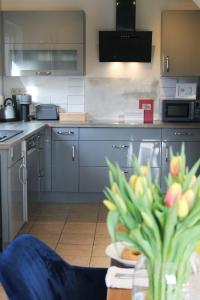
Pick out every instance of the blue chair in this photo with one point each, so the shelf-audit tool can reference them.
(30, 270)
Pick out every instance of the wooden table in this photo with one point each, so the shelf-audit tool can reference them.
(119, 294)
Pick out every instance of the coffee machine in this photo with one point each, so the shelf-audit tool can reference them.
(22, 104)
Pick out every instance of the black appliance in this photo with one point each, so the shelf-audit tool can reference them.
(178, 110)
(23, 103)
(125, 44)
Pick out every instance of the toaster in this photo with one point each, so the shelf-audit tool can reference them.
(46, 112)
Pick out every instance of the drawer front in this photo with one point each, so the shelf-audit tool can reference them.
(181, 134)
(94, 153)
(95, 179)
(120, 134)
(15, 153)
(65, 134)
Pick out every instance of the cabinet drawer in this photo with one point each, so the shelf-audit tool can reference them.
(64, 134)
(95, 179)
(94, 153)
(181, 134)
(15, 153)
(122, 134)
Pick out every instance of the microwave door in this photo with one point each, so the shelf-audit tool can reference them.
(178, 111)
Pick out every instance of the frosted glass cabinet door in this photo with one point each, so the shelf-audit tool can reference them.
(40, 59)
(27, 59)
(67, 59)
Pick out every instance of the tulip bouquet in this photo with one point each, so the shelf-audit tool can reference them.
(165, 227)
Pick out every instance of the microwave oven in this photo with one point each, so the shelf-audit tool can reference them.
(178, 110)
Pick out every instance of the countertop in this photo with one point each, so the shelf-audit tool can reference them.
(30, 128)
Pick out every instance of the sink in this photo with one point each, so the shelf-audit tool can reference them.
(8, 134)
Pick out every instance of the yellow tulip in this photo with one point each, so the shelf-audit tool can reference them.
(144, 170)
(140, 186)
(175, 165)
(193, 181)
(110, 205)
(183, 208)
(173, 194)
(115, 188)
(189, 196)
(132, 181)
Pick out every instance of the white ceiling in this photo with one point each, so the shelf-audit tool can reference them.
(197, 2)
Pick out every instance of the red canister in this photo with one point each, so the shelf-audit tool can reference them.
(148, 106)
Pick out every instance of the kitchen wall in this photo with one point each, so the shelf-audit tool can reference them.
(108, 89)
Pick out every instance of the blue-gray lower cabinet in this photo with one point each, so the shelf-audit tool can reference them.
(65, 166)
(15, 198)
(95, 179)
(94, 153)
(192, 150)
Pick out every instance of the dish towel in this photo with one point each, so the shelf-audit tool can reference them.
(123, 278)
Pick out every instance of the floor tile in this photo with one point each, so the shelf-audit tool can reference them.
(83, 261)
(74, 250)
(83, 217)
(51, 219)
(98, 250)
(103, 262)
(79, 228)
(76, 239)
(102, 239)
(41, 228)
(101, 228)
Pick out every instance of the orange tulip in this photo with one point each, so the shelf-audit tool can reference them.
(173, 194)
(144, 170)
(175, 165)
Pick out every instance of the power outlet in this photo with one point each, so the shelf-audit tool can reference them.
(18, 91)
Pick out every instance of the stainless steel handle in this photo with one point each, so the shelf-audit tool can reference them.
(23, 178)
(120, 146)
(43, 73)
(125, 172)
(73, 153)
(167, 64)
(183, 133)
(69, 132)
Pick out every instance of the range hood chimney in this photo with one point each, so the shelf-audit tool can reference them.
(125, 44)
(125, 15)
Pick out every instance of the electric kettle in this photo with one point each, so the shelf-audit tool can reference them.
(9, 110)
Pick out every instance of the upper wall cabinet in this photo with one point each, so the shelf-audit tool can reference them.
(44, 43)
(180, 43)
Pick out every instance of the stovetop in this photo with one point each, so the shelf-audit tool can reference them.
(8, 134)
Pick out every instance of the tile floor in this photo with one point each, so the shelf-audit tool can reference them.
(77, 232)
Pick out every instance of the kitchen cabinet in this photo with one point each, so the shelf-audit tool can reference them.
(44, 43)
(118, 145)
(65, 160)
(180, 43)
(173, 138)
(16, 180)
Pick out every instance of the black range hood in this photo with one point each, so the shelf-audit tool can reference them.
(125, 44)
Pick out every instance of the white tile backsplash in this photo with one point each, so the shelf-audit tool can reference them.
(76, 108)
(62, 91)
(77, 100)
(76, 90)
